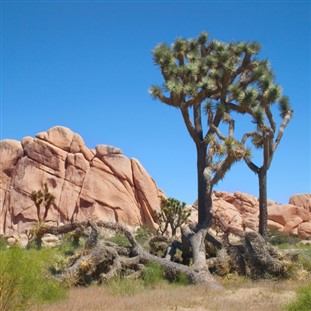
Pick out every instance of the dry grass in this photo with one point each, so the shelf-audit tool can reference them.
(239, 296)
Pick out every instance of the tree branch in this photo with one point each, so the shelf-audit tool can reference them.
(270, 118)
(198, 120)
(189, 125)
(286, 120)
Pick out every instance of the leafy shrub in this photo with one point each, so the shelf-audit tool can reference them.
(302, 301)
(23, 279)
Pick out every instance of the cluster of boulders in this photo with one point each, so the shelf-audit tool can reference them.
(241, 210)
(103, 184)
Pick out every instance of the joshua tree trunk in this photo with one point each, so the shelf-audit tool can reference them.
(204, 195)
(263, 208)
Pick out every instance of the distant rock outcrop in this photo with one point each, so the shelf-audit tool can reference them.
(102, 184)
(242, 210)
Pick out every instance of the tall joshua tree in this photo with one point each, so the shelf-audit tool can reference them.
(201, 76)
(258, 101)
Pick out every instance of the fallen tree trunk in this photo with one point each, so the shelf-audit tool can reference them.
(101, 260)
(98, 254)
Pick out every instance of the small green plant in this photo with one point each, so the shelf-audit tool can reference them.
(153, 274)
(143, 235)
(125, 287)
(173, 214)
(302, 301)
(70, 244)
(119, 239)
(24, 281)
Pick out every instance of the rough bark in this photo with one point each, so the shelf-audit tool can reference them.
(263, 208)
(204, 197)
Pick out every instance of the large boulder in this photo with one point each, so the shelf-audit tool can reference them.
(100, 184)
(301, 200)
(304, 230)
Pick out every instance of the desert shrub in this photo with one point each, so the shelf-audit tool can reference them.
(153, 274)
(302, 301)
(24, 281)
(281, 239)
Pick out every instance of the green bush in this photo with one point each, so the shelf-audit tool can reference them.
(24, 280)
(153, 274)
(302, 301)
(282, 239)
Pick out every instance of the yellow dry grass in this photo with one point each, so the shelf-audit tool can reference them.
(260, 296)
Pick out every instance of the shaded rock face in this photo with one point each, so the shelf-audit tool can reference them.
(99, 184)
(242, 210)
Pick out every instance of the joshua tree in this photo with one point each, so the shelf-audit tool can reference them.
(174, 214)
(219, 78)
(199, 75)
(42, 197)
(203, 76)
(267, 135)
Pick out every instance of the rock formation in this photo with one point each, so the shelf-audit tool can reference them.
(242, 210)
(99, 184)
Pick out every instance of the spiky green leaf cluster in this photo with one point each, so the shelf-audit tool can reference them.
(258, 115)
(250, 99)
(257, 140)
(272, 93)
(155, 91)
(284, 106)
(163, 55)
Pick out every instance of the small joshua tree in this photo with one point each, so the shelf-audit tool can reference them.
(173, 213)
(42, 197)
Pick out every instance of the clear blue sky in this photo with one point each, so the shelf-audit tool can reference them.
(87, 65)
